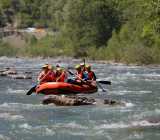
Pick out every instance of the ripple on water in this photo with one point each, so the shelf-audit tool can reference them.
(37, 130)
(75, 129)
(2, 137)
(71, 125)
(21, 106)
(129, 104)
(125, 92)
(130, 125)
(135, 135)
(71, 128)
(11, 117)
(157, 111)
(148, 113)
(15, 92)
(145, 123)
(122, 78)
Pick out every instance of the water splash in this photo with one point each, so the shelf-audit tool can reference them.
(2, 137)
(11, 117)
(21, 106)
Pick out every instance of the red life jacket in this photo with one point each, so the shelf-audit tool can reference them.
(91, 75)
(52, 76)
(47, 77)
(62, 77)
(79, 75)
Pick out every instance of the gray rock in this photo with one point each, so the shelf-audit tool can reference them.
(67, 101)
(20, 76)
(113, 102)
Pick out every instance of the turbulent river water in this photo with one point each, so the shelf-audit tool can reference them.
(23, 117)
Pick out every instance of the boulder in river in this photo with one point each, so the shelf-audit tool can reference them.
(3, 74)
(77, 101)
(113, 102)
(1, 71)
(28, 72)
(67, 101)
(8, 71)
(12, 73)
(20, 76)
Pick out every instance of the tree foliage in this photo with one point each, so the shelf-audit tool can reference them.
(116, 29)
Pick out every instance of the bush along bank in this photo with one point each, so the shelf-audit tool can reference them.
(125, 31)
(46, 47)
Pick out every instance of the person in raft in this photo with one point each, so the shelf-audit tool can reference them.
(85, 75)
(46, 75)
(82, 65)
(78, 76)
(61, 75)
(83, 71)
(91, 75)
(79, 73)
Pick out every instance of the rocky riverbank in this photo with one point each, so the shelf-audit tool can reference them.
(13, 73)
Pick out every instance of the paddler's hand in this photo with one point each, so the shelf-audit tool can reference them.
(85, 79)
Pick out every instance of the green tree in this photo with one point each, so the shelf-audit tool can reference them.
(89, 23)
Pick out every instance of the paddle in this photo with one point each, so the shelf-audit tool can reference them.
(33, 89)
(84, 61)
(98, 82)
(71, 73)
(100, 86)
(104, 82)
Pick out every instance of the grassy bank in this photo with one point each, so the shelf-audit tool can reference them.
(49, 47)
(7, 50)
(44, 47)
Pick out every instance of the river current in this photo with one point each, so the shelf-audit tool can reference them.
(23, 117)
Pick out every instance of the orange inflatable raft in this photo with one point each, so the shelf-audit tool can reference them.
(64, 88)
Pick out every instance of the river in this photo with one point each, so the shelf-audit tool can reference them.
(23, 117)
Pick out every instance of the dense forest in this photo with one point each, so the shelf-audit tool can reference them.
(118, 30)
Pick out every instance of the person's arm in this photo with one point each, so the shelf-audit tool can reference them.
(63, 74)
(53, 76)
(40, 76)
(44, 77)
(94, 76)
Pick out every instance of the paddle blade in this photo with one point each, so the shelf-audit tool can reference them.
(105, 82)
(33, 89)
(100, 86)
(71, 73)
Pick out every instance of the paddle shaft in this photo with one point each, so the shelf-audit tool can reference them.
(33, 89)
(77, 77)
(84, 61)
(86, 82)
(104, 82)
(45, 76)
(100, 86)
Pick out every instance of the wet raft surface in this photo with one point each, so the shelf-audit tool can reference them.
(24, 117)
